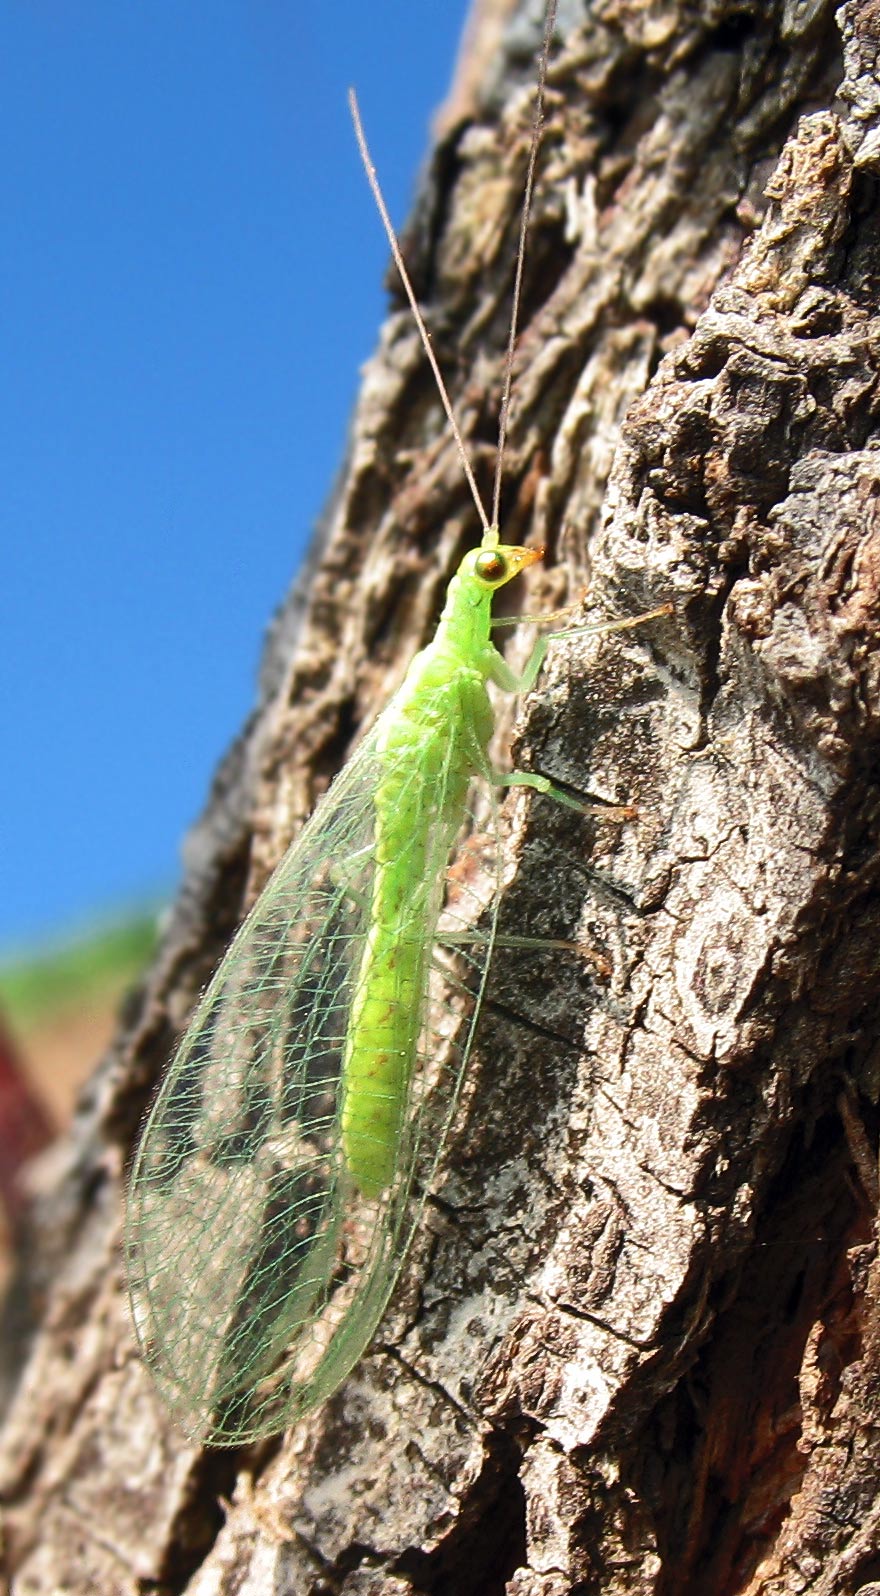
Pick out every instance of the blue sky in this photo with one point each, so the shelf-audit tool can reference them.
(191, 277)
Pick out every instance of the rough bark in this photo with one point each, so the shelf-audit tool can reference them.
(636, 1349)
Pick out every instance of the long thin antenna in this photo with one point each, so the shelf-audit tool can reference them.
(537, 131)
(425, 336)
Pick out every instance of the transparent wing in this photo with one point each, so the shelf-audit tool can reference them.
(257, 1270)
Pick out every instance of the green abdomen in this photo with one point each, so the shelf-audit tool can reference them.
(419, 807)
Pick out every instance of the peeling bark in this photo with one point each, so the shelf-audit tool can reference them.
(636, 1347)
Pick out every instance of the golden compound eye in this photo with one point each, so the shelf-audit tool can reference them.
(489, 566)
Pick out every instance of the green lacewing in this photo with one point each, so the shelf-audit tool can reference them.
(282, 1168)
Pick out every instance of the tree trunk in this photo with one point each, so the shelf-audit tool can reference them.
(636, 1347)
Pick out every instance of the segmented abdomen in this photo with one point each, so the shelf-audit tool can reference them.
(418, 812)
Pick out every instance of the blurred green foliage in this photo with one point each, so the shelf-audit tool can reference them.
(88, 968)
